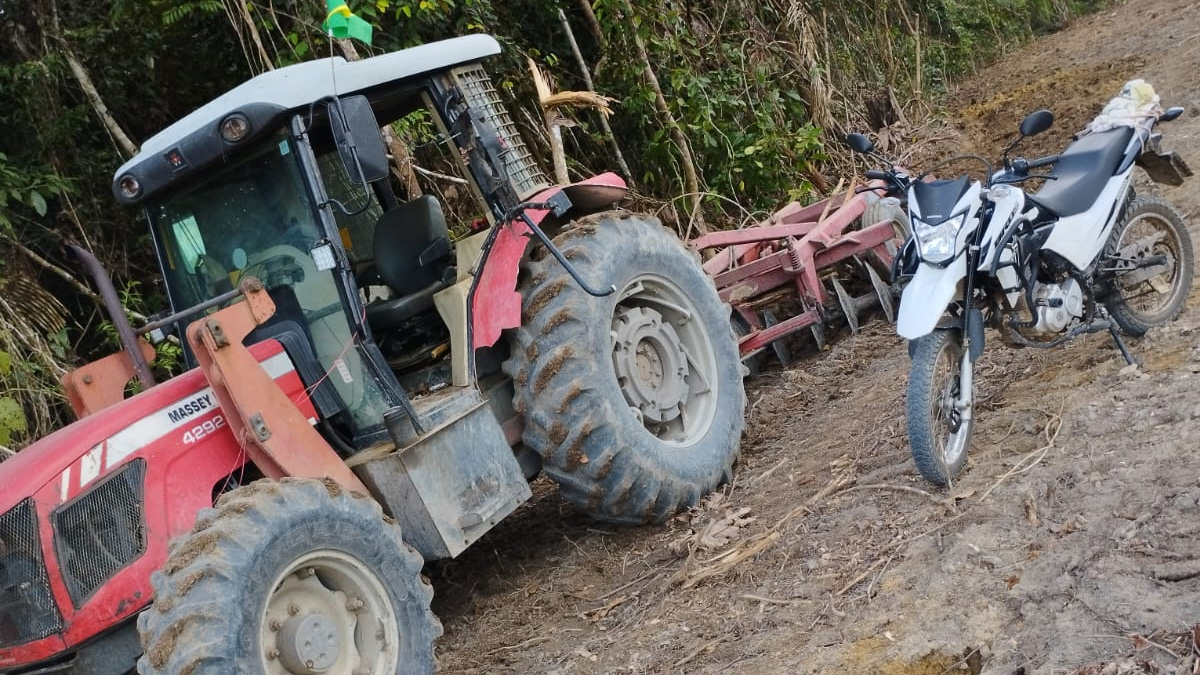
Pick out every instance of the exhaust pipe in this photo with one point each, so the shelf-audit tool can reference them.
(116, 312)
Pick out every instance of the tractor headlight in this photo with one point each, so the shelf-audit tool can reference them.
(130, 187)
(235, 128)
(936, 243)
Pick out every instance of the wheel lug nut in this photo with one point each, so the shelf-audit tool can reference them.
(293, 608)
(275, 624)
(272, 654)
(355, 603)
(307, 572)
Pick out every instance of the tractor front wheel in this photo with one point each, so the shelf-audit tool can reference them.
(634, 400)
(295, 577)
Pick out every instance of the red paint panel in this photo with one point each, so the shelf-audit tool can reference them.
(184, 459)
(495, 303)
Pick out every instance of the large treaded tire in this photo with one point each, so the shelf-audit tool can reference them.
(1177, 248)
(938, 448)
(211, 597)
(579, 417)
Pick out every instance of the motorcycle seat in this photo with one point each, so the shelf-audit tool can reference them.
(1083, 169)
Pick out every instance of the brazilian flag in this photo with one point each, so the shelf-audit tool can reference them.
(341, 23)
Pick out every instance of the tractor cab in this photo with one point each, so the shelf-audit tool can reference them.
(285, 179)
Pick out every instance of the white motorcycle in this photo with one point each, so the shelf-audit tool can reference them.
(1082, 254)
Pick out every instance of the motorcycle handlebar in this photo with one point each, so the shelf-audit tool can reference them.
(1021, 166)
(875, 174)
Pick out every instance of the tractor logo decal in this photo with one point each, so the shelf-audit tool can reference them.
(192, 407)
(148, 430)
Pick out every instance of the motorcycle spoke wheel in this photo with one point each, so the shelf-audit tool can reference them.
(938, 435)
(1150, 256)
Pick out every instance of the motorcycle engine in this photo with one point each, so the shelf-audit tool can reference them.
(1057, 305)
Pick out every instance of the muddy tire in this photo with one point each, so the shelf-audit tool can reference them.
(937, 436)
(880, 209)
(283, 574)
(634, 400)
(1141, 298)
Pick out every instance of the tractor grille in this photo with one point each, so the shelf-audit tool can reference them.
(527, 177)
(102, 531)
(27, 609)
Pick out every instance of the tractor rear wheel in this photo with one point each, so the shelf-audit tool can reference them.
(634, 400)
(295, 577)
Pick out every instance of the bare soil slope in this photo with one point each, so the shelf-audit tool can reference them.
(1070, 545)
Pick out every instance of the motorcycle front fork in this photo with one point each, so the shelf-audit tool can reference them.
(964, 403)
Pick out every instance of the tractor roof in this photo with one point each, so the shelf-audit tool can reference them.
(268, 98)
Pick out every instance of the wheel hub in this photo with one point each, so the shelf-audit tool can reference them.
(650, 363)
(308, 644)
(327, 616)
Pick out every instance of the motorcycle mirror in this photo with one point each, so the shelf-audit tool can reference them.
(1036, 122)
(860, 143)
(1170, 114)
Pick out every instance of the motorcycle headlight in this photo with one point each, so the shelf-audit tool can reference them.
(936, 243)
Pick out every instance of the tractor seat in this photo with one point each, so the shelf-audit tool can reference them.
(1083, 169)
(412, 244)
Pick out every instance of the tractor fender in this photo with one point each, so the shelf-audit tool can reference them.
(494, 302)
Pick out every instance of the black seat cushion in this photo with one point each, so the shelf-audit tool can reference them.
(1083, 169)
(389, 314)
(412, 244)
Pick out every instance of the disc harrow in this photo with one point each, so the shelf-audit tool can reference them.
(808, 267)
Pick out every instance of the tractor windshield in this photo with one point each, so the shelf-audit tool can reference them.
(235, 224)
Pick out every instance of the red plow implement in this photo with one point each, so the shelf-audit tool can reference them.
(801, 267)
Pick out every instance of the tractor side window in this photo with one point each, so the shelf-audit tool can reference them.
(357, 231)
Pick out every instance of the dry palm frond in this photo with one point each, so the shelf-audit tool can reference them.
(579, 99)
(35, 304)
(566, 99)
(28, 315)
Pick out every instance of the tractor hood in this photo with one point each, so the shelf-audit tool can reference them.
(76, 455)
(264, 102)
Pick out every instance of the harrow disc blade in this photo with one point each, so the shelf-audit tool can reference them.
(883, 292)
(849, 307)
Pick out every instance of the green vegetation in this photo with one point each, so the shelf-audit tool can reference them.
(753, 93)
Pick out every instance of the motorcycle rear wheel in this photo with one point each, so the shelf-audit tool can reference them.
(1141, 298)
(937, 434)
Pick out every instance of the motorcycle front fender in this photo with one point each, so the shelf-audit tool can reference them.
(925, 298)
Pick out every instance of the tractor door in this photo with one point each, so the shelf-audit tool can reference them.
(257, 217)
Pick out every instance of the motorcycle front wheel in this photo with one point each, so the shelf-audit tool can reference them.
(938, 431)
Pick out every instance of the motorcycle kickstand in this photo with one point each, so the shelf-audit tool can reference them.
(1112, 330)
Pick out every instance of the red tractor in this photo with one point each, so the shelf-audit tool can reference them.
(365, 393)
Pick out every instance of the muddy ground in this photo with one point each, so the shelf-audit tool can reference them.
(1071, 544)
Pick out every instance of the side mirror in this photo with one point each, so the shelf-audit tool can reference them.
(359, 144)
(860, 143)
(1170, 114)
(1036, 122)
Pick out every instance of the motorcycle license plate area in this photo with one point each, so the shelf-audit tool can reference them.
(1166, 168)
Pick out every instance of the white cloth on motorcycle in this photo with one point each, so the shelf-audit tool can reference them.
(412, 244)
(1082, 171)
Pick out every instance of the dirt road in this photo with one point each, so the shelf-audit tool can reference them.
(1072, 540)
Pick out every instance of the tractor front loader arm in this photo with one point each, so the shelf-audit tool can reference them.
(276, 435)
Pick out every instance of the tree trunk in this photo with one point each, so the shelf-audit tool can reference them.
(690, 178)
(243, 15)
(592, 21)
(89, 88)
(587, 79)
